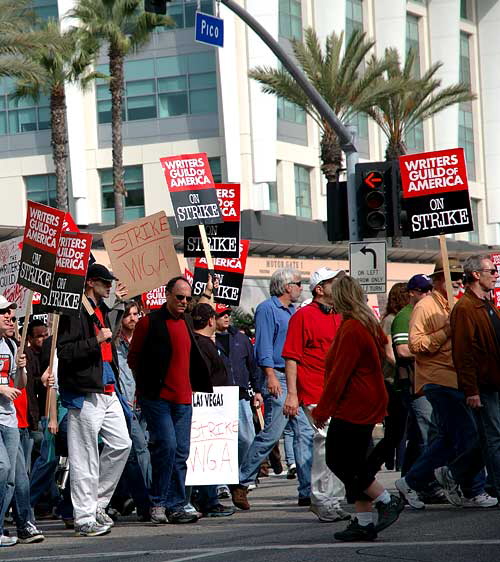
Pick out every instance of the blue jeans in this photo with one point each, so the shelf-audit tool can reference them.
(246, 429)
(274, 424)
(288, 445)
(21, 500)
(169, 427)
(456, 434)
(9, 445)
(42, 474)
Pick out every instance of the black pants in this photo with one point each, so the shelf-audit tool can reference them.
(346, 455)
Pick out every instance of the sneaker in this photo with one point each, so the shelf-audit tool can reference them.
(251, 487)
(239, 495)
(128, 507)
(223, 492)
(218, 510)
(292, 472)
(388, 513)
(481, 500)
(158, 516)
(69, 522)
(180, 517)
(103, 518)
(92, 529)
(304, 501)
(409, 495)
(450, 487)
(276, 465)
(357, 533)
(329, 514)
(113, 513)
(7, 541)
(189, 508)
(29, 534)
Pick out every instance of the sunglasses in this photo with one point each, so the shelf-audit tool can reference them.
(492, 271)
(180, 298)
(298, 283)
(4, 311)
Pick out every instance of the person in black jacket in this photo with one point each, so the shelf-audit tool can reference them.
(168, 367)
(88, 386)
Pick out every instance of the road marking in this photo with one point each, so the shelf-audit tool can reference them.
(197, 553)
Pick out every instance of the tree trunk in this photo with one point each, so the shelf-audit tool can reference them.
(116, 87)
(59, 141)
(331, 154)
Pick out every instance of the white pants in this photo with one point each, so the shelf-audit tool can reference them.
(93, 477)
(326, 488)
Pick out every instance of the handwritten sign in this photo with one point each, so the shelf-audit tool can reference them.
(10, 258)
(142, 253)
(213, 456)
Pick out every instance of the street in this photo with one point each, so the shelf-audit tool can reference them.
(277, 530)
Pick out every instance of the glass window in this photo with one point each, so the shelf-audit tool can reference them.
(288, 111)
(216, 169)
(41, 189)
(360, 121)
(354, 17)
(303, 191)
(465, 10)
(290, 19)
(414, 138)
(183, 12)
(273, 197)
(46, 9)
(474, 235)
(465, 115)
(413, 41)
(21, 115)
(465, 59)
(134, 202)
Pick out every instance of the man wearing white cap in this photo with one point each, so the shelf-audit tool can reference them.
(310, 334)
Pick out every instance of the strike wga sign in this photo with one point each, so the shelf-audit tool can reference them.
(436, 192)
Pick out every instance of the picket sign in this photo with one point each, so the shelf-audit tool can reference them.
(446, 269)
(206, 248)
(51, 394)
(27, 312)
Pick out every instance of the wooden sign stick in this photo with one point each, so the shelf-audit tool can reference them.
(208, 255)
(446, 269)
(51, 394)
(27, 312)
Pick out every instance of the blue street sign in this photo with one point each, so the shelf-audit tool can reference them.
(209, 30)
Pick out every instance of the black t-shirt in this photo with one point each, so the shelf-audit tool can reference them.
(218, 373)
(494, 319)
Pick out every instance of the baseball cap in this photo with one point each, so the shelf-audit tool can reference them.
(322, 274)
(420, 282)
(98, 271)
(4, 303)
(221, 309)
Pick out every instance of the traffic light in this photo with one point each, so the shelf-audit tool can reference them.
(374, 184)
(336, 211)
(400, 216)
(156, 6)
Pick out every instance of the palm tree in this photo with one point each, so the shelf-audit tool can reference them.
(421, 98)
(124, 27)
(345, 85)
(66, 58)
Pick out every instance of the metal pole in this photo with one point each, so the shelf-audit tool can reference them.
(352, 203)
(345, 136)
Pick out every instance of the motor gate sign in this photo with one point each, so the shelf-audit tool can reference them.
(191, 185)
(436, 192)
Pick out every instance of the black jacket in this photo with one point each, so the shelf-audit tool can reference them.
(79, 354)
(149, 362)
(218, 372)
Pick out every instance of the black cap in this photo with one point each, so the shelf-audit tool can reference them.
(98, 271)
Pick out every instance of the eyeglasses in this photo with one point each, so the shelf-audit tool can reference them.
(492, 271)
(4, 311)
(180, 298)
(298, 283)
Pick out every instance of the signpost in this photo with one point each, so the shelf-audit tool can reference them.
(368, 265)
(209, 30)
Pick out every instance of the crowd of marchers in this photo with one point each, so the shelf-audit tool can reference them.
(102, 429)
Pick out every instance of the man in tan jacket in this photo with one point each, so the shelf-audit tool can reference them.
(435, 376)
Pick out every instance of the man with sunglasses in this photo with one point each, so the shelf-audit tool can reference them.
(168, 367)
(88, 378)
(475, 337)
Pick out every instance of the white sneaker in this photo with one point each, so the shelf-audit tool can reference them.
(409, 495)
(329, 514)
(158, 515)
(450, 487)
(481, 500)
(7, 541)
(103, 518)
(189, 508)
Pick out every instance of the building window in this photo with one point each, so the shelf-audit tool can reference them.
(21, 115)
(215, 167)
(290, 19)
(354, 17)
(46, 9)
(465, 10)
(413, 42)
(41, 189)
(291, 112)
(273, 197)
(134, 202)
(414, 138)
(163, 87)
(303, 191)
(474, 234)
(465, 116)
(183, 12)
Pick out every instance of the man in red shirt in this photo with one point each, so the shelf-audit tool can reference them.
(168, 366)
(310, 334)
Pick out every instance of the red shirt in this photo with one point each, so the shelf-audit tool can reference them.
(354, 383)
(106, 351)
(21, 405)
(309, 337)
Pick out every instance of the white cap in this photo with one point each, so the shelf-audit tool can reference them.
(4, 303)
(322, 274)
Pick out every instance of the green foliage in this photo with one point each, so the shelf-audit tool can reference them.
(243, 320)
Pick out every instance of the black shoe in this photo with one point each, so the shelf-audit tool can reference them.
(292, 472)
(181, 516)
(128, 507)
(29, 534)
(218, 510)
(357, 533)
(304, 501)
(388, 513)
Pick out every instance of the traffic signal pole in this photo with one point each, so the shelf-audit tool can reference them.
(345, 136)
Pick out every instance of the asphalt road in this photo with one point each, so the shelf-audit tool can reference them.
(277, 530)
